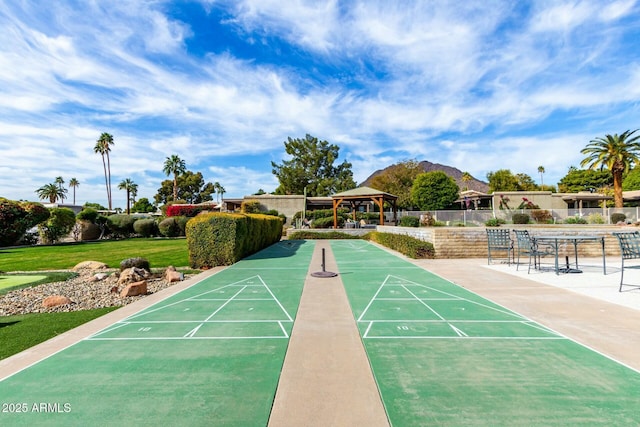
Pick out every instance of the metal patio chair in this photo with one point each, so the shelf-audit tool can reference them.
(629, 250)
(526, 245)
(499, 240)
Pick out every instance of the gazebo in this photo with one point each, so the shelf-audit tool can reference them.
(360, 195)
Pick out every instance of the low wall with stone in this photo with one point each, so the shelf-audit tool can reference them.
(471, 242)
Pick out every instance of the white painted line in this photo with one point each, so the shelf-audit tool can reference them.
(373, 298)
(192, 332)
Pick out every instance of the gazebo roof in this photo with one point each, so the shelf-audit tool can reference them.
(363, 192)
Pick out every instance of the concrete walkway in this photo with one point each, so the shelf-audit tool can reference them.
(326, 379)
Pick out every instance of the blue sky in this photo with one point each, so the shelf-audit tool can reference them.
(479, 86)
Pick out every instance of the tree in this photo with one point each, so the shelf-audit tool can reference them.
(103, 147)
(466, 177)
(129, 186)
(618, 153)
(143, 206)
(398, 180)
(311, 167)
(216, 187)
(502, 180)
(631, 181)
(191, 188)
(59, 181)
(176, 166)
(58, 225)
(52, 191)
(525, 182)
(541, 171)
(434, 190)
(18, 217)
(584, 180)
(74, 183)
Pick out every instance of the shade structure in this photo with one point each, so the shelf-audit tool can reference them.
(360, 195)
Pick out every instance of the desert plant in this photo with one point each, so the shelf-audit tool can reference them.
(495, 222)
(575, 220)
(595, 218)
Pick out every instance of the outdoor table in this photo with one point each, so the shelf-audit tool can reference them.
(554, 239)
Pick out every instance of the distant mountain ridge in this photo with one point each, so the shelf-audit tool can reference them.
(456, 174)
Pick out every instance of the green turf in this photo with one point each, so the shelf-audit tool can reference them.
(18, 333)
(210, 355)
(442, 355)
(15, 281)
(159, 252)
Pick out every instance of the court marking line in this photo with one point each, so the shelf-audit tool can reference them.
(226, 303)
(187, 339)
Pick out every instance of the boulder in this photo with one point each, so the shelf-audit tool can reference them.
(101, 276)
(132, 275)
(133, 289)
(55, 300)
(173, 276)
(90, 265)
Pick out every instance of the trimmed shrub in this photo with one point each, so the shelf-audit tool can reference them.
(137, 262)
(409, 221)
(250, 206)
(520, 218)
(146, 227)
(120, 225)
(182, 224)
(406, 245)
(184, 210)
(618, 217)
(88, 214)
(326, 222)
(169, 227)
(222, 238)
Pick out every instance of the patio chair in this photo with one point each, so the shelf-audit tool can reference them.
(528, 246)
(629, 250)
(499, 239)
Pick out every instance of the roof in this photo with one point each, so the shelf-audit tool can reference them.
(363, 192)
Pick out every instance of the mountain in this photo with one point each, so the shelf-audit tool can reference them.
(456, 174)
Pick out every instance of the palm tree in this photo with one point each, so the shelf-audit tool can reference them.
(52, 192)
(216, 187)
(221, 191)
(59, 181)
(74, 183)
(618, 153)
(174, 165)
(129, 186)
(541, 171)
(102, 147)
(466, 177)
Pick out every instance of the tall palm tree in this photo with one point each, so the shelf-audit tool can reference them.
(102, 147)
(59, 181)
(618, 153)
(176, 166)
(74, 183)
(221, 191)
(52, 191)
(216, 187)
(541, 171)
(129, 186)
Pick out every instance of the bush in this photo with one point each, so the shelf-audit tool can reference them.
(88, 214)
(618, 217)
(146, 227)
(58, 225)
(575, 220)
(595, 218)
(407, 245)
(169, 227)
(542, 216)
(16, 218)
(495, 222)
(222, 239)
(250, 206)
(120, 225)
(409, 221)
(184, 210)
(326, 222)
(135, 262)
(520, 218)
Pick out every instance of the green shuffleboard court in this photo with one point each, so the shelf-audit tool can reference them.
(209, 355)
(442, 355)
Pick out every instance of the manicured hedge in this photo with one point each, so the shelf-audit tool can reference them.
(319, 235)
(407, 245)
(224, 238)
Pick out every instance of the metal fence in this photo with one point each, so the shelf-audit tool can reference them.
(558, 216)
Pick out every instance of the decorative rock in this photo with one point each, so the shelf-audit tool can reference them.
(101, 276)
(55, 300)
(173, 276)
(90, 265)
(133, 289)
(132, 275)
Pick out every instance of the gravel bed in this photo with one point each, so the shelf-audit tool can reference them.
(84, 291)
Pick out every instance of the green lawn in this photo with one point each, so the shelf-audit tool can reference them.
(159, 252)
(18, 333)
